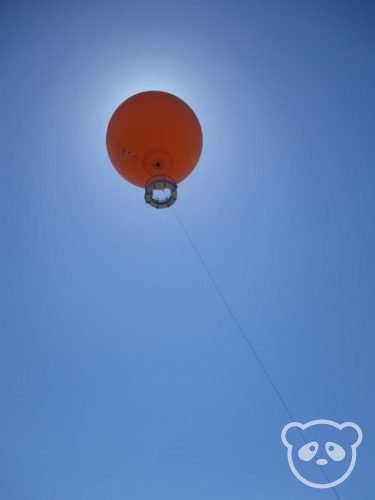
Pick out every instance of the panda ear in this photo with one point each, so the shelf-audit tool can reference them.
(353, 433)
(292, 435)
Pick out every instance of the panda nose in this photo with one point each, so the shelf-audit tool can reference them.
(322, 461)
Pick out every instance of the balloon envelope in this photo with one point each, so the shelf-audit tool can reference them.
(154, 135)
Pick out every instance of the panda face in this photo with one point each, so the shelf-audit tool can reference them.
(321, 453)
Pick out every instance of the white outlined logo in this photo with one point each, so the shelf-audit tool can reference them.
(304, 458)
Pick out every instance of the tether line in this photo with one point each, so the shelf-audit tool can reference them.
(233, 316)
(243, 334)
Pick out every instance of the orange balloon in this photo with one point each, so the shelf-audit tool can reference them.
(154, 140)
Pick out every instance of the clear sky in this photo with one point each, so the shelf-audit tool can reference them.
(122, 375)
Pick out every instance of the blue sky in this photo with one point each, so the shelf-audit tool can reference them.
(122, 375)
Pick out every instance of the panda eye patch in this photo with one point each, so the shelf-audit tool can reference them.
(335, 451)
(308, 451)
